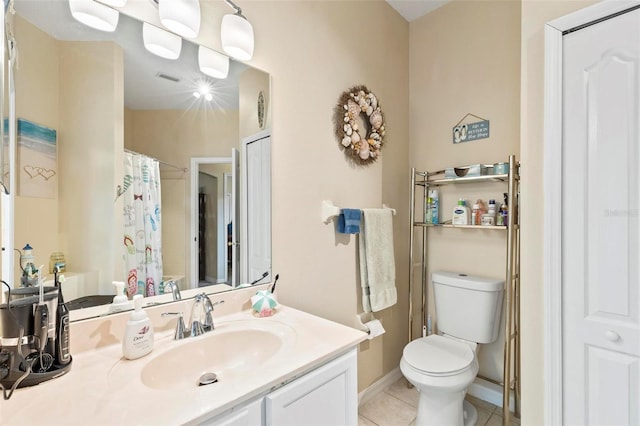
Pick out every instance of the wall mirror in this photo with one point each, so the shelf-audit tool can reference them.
(108, 99)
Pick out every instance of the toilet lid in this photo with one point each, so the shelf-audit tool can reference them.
(438, 355)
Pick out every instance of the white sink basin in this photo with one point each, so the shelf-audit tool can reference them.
(233, 349)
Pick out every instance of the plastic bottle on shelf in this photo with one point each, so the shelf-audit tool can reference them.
(460, 213)
(435, 206)
(428, 210)
(476, 215)
(503, 214)
(489, 218)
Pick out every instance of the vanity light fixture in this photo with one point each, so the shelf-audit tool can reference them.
(237, 34)
(161, 42)
(212, 63)
(94, 14)
(180, 16)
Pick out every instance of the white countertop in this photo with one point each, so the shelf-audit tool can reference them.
(91, 393)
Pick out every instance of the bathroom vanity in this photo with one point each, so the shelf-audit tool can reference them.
(291, 368)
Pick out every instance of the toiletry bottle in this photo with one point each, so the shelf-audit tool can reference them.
(435, 206)
(120, 301)
(138, 335)
(475, 214)
(460, 214)
(62, 354)
(489, 218)
(428, 210)
(503, 212)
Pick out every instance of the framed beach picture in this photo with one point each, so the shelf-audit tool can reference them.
(37, 160)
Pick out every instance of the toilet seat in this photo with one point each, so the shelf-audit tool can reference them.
(439, 356)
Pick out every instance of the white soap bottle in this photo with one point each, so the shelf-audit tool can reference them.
(120, 302)
(138, 336)
(460, 214)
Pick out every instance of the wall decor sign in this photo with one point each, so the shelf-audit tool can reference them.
(359, 124)
(37, 160)
(471, 130)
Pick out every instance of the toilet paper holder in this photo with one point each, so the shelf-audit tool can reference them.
(369, 324)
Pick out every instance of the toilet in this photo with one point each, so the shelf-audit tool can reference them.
(442, 366)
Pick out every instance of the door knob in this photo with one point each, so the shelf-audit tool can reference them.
(612, 335)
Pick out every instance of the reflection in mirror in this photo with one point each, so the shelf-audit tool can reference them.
(105, 94)
(215, 212)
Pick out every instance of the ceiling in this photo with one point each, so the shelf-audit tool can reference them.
(414, 9)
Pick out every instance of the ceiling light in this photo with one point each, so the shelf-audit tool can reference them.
(94, 15)
(203, 90)
(114, 3)
(180, 16)
(212, 63)
(161, 42)
(237, 36)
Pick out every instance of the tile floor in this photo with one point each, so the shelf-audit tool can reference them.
(397, 406)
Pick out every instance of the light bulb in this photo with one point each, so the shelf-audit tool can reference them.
(94, 15)
(236, 34)
(180, 16)
(212, 63)
(161, 42)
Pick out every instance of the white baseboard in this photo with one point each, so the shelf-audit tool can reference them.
(489, 392)
(379, 385)
(481, 389)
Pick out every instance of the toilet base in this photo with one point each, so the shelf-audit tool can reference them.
(470, 414)
(450, 408)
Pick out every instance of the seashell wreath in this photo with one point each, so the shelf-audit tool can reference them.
(360, 145)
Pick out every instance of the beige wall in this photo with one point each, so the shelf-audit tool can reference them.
(251, 83)
(90, 156)
(534, 16)
(37, 101)
(465, 58)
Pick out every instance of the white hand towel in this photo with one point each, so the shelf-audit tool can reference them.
(377, 264)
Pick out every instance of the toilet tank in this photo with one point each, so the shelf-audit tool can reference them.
(468, 307)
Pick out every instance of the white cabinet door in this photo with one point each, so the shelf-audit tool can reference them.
(601, 225)
(326, 396)
(246, 415)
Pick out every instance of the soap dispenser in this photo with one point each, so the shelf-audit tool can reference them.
(138, 335)
(120, 301)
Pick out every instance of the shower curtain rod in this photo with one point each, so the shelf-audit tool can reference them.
(184, 169)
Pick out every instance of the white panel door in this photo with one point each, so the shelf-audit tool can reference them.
(600, 222)
(258, 212)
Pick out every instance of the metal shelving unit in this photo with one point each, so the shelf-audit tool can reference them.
(511, 359)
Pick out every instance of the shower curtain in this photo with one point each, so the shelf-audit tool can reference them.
(142, 226)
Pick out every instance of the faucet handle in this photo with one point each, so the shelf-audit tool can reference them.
(180, 327)
(208, 308)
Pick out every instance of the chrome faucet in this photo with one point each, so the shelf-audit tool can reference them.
(180, 327)
(175, 290)
(201, 318)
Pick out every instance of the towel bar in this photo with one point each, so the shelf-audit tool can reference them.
(330, 210)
